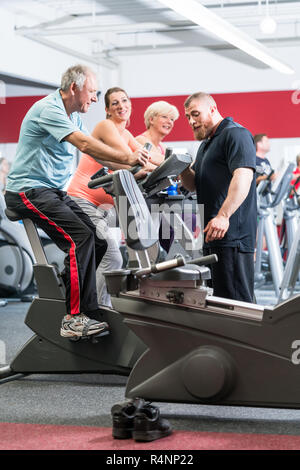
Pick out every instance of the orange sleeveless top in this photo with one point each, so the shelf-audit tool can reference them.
(78, 186)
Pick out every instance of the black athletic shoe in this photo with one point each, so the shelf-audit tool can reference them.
(123, 415)
(149, 426)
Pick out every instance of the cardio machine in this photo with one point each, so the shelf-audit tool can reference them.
(292, 266)
(175, 210)
(16, 273)
(17, 258)
(290, 218)
(200, 348)
(269, 197)
(48, 352)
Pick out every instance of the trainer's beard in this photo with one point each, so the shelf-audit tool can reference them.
(201, 133)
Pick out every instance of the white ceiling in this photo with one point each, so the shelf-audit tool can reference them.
(101, 31)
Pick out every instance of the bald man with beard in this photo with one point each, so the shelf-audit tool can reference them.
(223, 176)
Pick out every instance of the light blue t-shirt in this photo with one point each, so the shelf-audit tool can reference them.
(43, 159)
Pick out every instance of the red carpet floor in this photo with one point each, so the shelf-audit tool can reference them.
(19, 436)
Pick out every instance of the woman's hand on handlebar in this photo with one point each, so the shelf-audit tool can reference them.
(139, 157)
(141, 174)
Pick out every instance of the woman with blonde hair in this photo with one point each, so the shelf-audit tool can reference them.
(159, 118)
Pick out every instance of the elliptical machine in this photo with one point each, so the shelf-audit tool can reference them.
(290, 218)
(269, 197)
(292, 266)
(200, 348)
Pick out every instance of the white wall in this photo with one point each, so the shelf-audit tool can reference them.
(146, 74)
(18, 90)
(186, 72)
(23, 57)
(170, 73)
(8, 151)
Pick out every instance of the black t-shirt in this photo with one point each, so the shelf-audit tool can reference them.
(231, 147)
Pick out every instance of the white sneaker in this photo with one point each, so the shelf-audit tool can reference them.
(81, 325)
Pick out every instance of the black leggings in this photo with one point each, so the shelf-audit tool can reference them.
(232, 276)
(73, 232)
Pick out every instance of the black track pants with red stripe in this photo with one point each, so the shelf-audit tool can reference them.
(72, 230)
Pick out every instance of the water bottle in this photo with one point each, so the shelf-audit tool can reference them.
(172, 190)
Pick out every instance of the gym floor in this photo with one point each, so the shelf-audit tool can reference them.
(86, 399)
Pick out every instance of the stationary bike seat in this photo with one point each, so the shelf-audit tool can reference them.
(12, 215)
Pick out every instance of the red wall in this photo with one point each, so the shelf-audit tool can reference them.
(268, 112)
(275, 113)
(11, 116)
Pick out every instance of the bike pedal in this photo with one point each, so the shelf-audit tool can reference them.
(92, 338)
(95, 338)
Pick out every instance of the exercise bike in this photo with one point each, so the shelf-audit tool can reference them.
(48, 352)
(177, 213)
(200, 348)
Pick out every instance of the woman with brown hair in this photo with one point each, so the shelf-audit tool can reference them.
(96, 203)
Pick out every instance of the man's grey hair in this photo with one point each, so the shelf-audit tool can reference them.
(76, 74)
